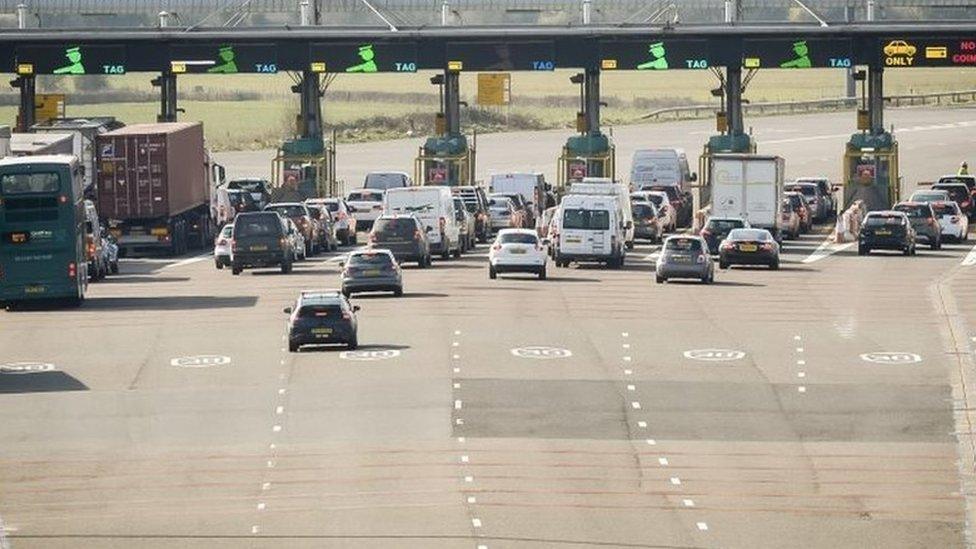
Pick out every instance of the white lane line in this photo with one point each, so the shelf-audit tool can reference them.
(797, 338)
(663, 461)
(455, 344)
(456, 357)
(625, 334)
(457, 370)
(189, 261)
(801, 374)
(801, 363)
(476, 522)
(469, 479)
(651, 442)
(254, 529)
(801, 389)
(702, 526)
(471, 499)
(457, 332)
(626, 345)
(266, 486)
(676, 481)
(642, 424)
(635, 405)
(457, 404)
(276, 428)
(461, 440)
(688, 502)
(457, 385)
(970, 258)
(482, 547)
(261, 506)
(459, 421)
(271, 464)
(465, 459)
(628, 372)
(826, 249)
(631, 388)
(626, 359)
(799, 349)
(280, 410)
(282, 391)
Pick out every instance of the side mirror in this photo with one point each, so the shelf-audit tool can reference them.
(355, 308)
(694, 177)
(429, 229)
(286, 310)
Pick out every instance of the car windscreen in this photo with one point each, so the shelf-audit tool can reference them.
(257, 225)
(372, 259)
(30, 183)
(928, 196)
(914, 210)
(499, 203)
(748, 234)
(471, 205)
(946, 208)
(332, 206)
(578, 218)
(725, 225)
(402, 228)
(249, 186)
(683, 245)
(806, 190)
(956, 192)
(881, 220)
(384, 181)
(288, 211)
(517, 238)
(360, 196)
(655, 198)
(642, 210)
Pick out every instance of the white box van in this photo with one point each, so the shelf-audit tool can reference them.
(604, 186)
(749, 186)
(434, 207)
(591, 228)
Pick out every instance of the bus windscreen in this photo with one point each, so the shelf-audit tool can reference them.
(29, 183)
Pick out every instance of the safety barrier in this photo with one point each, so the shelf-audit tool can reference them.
(812, 105)
(849, 222)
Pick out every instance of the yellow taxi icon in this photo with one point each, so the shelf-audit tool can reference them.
(899, 48)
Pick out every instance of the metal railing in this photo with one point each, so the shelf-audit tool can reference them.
(812, 105)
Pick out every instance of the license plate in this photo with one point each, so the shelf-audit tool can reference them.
(518, 250)
(35, 289)
(372, 272)
(573, 240)
(680, 259)
(748, 247)
(882, 232)
(258, 248)
(321, 331)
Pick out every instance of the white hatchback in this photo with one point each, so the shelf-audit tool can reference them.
(222, 246)
(517, 251)
(954, 223)
(367, 204)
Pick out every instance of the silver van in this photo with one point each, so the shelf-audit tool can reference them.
(661, 167)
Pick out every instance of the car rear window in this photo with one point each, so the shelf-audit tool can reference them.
(655, 198)
(879, 220)
(518, 238)
(365, 196)
(748, 234)
(914, 210)
(332, 206)
(807, 190)
(928, 196)
(946, 208)
(384, 181)
(642, 210)
(725, 224)
(257, 225)
(956, 192)
(683, 245)
(967, 181)
(403, 228)
(321, 311)
(370, 259)
(249, 186)
(499, 203)
(594, 220)
(288, 211)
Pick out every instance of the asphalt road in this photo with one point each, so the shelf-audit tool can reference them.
(462, 433)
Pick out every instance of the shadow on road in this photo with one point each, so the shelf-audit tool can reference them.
(169, 303)
(138, 279)
(40, 382)
(389, 295)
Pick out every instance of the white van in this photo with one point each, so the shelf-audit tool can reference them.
(605, 186)
(532, 187)
(591, 228)
(661, 167)
(434, 207)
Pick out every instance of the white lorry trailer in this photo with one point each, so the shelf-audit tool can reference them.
(749, 186)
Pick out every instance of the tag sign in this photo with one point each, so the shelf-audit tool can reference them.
(892, 357)
(542, 353)
(200, 361)
(369, 355)
(714, 355)
(25, 367)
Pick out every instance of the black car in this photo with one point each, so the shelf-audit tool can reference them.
(958, 193)
(322, 317)
(404, 236)
(717, 228)
(749, 247)
(924, 221)
(261, 240)
(886, 230)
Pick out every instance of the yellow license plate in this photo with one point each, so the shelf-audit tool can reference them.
(882, 232)
(35, 289)
(373, 272)
(258, 248)
(748, 247)
(321, 331)
(518, 250)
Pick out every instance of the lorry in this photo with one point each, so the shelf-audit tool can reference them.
(33, 144)
(749, 186)
(604, 186)
(155, 187)
(84, 131)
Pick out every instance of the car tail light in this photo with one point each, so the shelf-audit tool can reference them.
(728, 246)
(417, 235)
(72, 270)
(91, 250)
(233, 245)
(283, 241)
(442, 223)
(222, 242)
(346, 316)
(706, 232)
(766, 246)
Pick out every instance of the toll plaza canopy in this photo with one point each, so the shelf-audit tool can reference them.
(528, 48)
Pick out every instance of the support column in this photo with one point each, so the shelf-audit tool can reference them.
(591, 100)
(876, 99)
(167, 97)
(28, 89)
(452, 102)
(733, 100)
(311, 105)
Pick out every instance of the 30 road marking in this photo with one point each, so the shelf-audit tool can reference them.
(541, 352)
(702, 526)
(200, 361)
(26, 367)
(663, 461)
(891, 357)
(476, 522)
(379, 354)
(714, 355)
(688, 503)
(635, 405)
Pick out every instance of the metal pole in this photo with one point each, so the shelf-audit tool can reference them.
(876, 99)
(452, 102)
(849, 73)
(591, 91)
(310, 103)
(21, 16)
(871, 10)
(729, 12)
(27, 85)
(445, 13)
(587, 11)
(733, 99)
(305, 13)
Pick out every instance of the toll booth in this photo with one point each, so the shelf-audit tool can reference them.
(304, 168)
(871, 171)
(586, 156)
(446, 160)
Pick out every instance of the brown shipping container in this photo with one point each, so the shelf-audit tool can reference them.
(148, 171)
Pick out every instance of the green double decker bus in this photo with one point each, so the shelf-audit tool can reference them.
(42, 230)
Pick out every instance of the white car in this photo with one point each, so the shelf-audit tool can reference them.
(296, 238)
(344, 220)
(367, 204)
(954, 223)
(517, 251)
(668, 216)
(222, 246)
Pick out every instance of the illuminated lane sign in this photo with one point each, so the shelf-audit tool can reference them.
(366, 57)
(223, 59)
(507, 56)
(929, 52)
(71, 60)
(801, 53)
(654, 54)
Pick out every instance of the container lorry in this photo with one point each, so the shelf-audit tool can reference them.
(155, 187)
(749, 186)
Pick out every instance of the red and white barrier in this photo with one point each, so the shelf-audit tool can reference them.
(700, 218)
(849, 222)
